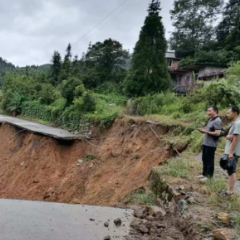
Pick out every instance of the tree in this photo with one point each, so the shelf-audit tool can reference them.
(149, 71)
(70, 89)
(103, 62)
(55, 68)
(67, 64)
(228, 31)
(194, 29)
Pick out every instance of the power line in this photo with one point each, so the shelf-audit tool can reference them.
(100, 22)
(109, 21)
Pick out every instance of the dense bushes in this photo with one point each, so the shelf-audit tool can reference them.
(66, 105)
(190, 108)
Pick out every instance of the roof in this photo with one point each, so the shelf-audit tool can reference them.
(196, 66)
(170, 54)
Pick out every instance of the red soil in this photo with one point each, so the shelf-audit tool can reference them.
(34, 167)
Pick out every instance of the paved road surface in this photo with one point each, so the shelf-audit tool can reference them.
(39, 128)
(27, 220)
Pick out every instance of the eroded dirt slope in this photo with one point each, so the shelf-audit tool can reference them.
(35, 167)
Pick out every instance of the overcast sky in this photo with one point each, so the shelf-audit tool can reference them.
(30, 30)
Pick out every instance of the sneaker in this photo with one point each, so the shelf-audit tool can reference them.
(200, 176)
(203, 180)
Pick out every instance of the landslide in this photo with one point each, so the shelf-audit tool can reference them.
(35, 167)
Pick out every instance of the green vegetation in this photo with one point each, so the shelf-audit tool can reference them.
(144, 198)
(91, 157)
(198, 40)
(149, 73)
(178, 168)
(95, 89)
(194, 30)
(206, 225)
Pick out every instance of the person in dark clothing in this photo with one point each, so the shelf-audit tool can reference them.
(212, 133)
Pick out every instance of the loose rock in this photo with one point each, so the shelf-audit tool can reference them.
(182, 206)
(118, 222)
(139, 213)
(223, 234)
(143, 229)
(154, 211)
(107, 238)
(224, 217)
(106, 224)
(136, 222)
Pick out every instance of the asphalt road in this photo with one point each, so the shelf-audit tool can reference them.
(27, 220)
(39, 128)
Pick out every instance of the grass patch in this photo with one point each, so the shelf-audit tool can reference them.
(237, 226)
(206, 226)
(144, 198)
(91, 157)
(216, 185)
(178, 168)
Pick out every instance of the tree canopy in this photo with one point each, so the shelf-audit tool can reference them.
(149, 71)
(194, 25)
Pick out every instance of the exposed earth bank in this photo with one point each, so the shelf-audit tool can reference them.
(97, 171)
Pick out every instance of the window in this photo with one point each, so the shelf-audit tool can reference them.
(169, 62)
(188, 80)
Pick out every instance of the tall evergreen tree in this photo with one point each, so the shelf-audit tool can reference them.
(194, 28)
(149, 72)
(55, 68)
(228, 31)
(67, 64)
(76, 67)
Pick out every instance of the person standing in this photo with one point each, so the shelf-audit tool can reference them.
(212, 134)
(232, 149)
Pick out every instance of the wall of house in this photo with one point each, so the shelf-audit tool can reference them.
(210, 72)
(183, 79)
(174, 66)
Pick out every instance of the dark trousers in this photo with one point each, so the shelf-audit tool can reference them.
(208, 155)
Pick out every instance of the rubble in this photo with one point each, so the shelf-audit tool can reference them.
(223, 234)
(224, 217)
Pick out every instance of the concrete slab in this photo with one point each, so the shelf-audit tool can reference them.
(39, 128)
(27, 220)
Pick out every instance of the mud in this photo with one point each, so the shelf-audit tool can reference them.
(158, 226)
(34, 167)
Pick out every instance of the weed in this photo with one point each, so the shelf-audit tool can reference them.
(177, 168)
(206, 226)
(216, 185)
(137, 156)
(144, 198)
(91, 157)
(237, 220)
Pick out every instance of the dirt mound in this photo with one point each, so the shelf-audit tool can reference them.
(97, 172)
(160, 225)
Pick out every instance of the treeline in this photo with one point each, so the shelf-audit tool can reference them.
(199, 36)
(4, 68)
(63, 94)
(93, 88)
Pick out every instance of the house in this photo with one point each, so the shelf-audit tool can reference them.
(184, 78)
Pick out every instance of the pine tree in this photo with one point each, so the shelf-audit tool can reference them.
(149, 72)
(55, 68)
(75, 67)
(67, 64)
(194, 29)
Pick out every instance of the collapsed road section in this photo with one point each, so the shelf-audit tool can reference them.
(39, 128)
(28, 220)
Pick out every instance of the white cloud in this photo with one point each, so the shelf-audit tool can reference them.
(31, 29)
